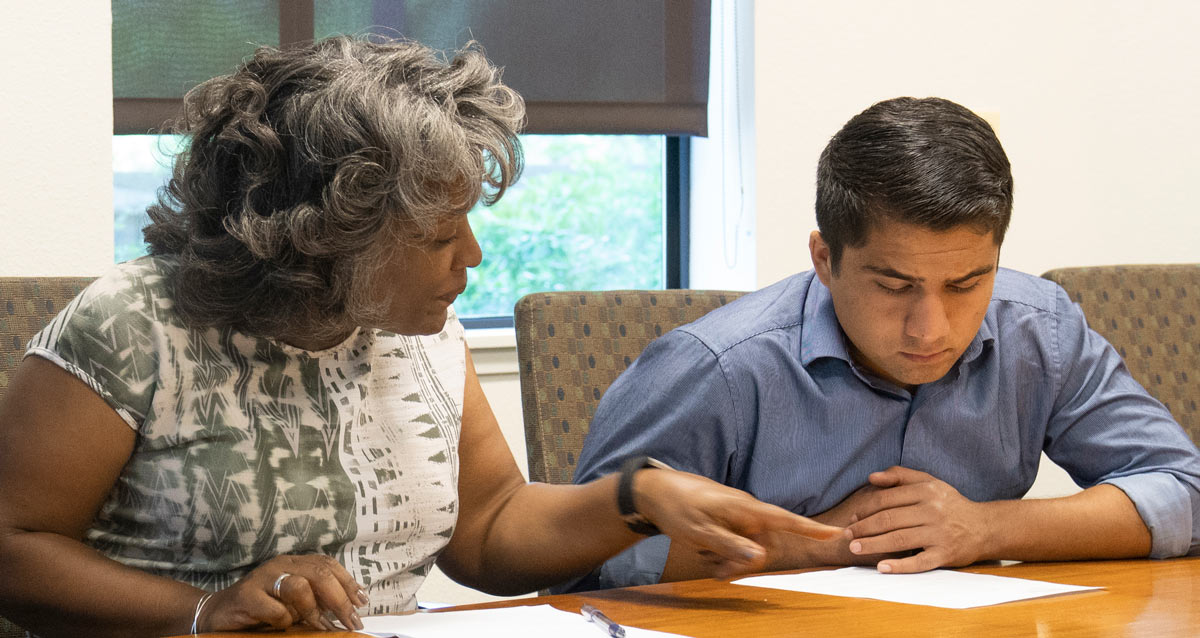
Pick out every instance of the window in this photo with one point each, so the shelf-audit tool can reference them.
(589, 213)
(592, 211)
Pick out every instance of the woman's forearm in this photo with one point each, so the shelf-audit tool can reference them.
(57, 586)
(549, 533)
(545, 534)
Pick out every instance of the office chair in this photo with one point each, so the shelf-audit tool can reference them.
(572, 345)
(26, 305)
(1150, 314)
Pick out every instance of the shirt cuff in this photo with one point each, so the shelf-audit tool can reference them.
(1165, 507)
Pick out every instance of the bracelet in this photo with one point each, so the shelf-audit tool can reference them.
(634, 520)
(199, 608)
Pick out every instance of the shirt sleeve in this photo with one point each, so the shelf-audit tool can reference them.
(1106, 428)
(107, 338)
(674, 404)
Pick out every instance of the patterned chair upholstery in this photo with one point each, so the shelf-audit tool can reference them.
(572, 345)
(1150, 314)
(27, 304)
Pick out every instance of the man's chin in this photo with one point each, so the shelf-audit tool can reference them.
(921, 376)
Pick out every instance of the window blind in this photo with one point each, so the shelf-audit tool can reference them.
(583, 66)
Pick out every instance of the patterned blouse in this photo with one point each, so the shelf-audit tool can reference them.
(248, 448)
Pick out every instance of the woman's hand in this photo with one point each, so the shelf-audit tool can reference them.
(723, 523)
(289, 589)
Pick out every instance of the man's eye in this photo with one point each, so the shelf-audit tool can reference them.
(894, 290)
(963, 289)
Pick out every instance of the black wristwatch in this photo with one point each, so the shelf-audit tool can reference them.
(636, 522)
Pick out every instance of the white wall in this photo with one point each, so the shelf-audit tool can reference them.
(55, 136)
(1095, 103)
(1092, 100)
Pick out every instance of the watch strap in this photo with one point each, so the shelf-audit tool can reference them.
(633, 519)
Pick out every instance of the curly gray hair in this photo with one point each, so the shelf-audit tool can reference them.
(306, 166)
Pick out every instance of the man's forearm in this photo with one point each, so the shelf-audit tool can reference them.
(1099, 522)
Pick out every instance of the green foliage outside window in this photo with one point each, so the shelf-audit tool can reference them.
(586, 215)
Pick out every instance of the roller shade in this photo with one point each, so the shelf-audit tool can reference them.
(583, 66)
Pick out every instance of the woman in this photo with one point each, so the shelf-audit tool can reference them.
(273, 418)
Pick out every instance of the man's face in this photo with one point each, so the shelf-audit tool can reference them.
(910, 300)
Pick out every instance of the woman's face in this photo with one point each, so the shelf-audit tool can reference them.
(420, 280)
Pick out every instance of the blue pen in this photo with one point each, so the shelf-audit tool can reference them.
(609, 626)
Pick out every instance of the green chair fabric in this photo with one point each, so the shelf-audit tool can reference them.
(1150, 314)
(572, 345)
(26, 305)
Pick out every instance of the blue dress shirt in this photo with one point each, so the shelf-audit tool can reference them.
(762, 395)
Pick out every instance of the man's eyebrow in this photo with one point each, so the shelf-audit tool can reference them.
(892, 273)
(978, 272)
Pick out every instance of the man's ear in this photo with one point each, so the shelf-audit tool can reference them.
(821, 258)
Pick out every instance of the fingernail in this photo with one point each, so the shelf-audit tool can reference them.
(357, 621)
(856, 547)
(363, 600)
(885, 567)
(328, 624)
(751, 554)
(847, 533)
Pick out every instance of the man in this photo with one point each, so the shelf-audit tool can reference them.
(906, 387)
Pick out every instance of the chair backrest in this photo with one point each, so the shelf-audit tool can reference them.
(26, 305)
(1150, 314)
(572, 345)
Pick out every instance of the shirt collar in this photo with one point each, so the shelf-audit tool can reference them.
(822, 334)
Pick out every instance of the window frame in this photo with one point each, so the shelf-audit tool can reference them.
(296, 25)
(676, 198)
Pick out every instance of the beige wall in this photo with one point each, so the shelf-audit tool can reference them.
(55, 136)
(1092, 100)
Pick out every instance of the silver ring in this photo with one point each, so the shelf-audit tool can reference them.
(278, 582)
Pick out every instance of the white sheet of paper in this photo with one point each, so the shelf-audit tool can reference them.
(536, 621)
(937, 588)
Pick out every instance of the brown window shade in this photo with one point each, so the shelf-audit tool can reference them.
(583, 66)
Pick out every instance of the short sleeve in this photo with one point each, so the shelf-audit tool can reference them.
(108, 337)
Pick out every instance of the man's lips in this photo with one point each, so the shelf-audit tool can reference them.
(924, 358)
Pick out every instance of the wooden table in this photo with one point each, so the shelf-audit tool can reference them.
(1141, 598)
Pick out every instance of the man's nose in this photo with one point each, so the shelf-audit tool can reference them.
(927, 321)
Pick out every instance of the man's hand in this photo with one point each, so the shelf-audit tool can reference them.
(910, 510)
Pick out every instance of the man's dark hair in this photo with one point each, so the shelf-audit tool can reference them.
(927, 162)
